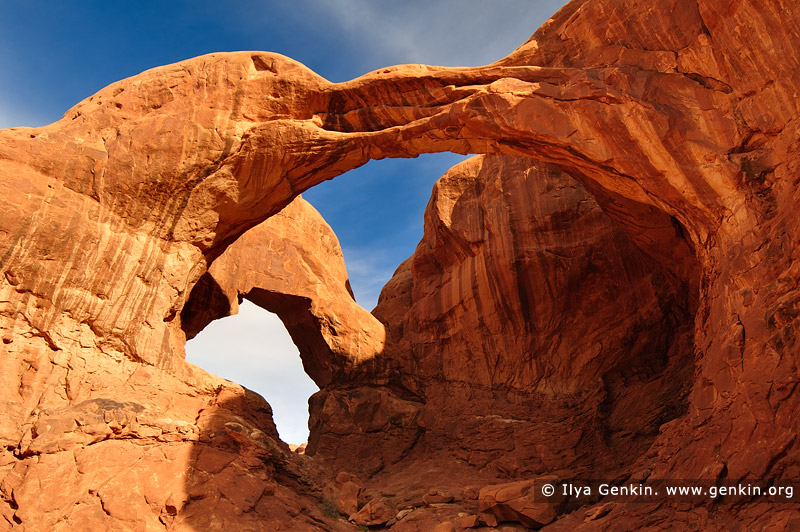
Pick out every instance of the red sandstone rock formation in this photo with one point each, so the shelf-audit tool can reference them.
(292, 265)
(678, 119)
(517, 501)
(524, 302)
(133, 447)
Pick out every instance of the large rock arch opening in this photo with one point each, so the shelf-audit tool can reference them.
(528, 303)
(679, 120)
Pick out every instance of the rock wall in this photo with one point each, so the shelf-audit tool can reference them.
(524, 301)
(111, 443)
(678, 119)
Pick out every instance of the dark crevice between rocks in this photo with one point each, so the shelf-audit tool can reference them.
(652, 384)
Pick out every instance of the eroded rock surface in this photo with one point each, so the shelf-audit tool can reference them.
(292, 265)
(524, 302)
(678, 119)
(123, 445)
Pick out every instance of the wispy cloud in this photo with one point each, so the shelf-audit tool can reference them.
(446, 32)
(369, 269)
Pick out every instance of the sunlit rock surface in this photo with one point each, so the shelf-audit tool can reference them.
(679, 121)
(292, 265)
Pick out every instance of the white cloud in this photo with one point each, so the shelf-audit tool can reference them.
(254, 349)
(368, 270)
(446, 32)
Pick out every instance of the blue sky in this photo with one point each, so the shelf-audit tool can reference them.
(54, 54)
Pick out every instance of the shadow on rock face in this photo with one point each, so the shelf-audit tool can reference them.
(206, 302)
(569, 347)
(532, 333)
(241, 476)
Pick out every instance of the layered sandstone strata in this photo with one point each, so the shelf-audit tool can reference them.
(680, 122)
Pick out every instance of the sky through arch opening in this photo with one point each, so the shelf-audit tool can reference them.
(377, 213)
(254, 349)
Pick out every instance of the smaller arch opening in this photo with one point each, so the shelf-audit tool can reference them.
(253, 348)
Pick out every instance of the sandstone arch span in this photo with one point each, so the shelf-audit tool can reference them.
(679, 113)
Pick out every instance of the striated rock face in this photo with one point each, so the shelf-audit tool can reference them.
(641, 324)
(525, 302)
(117, 444)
